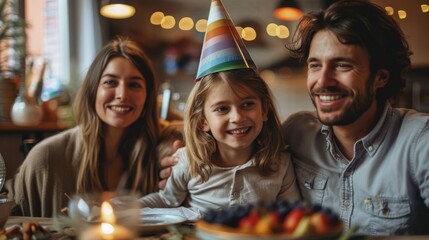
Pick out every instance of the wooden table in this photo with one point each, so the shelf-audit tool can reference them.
(47, 222)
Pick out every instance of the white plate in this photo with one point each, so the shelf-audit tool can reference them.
(151, 223)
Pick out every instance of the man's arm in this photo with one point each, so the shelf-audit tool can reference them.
(167, 162)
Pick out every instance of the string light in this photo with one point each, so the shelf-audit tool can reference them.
(201, 25)
(247, 33)
(389, 10)
(168, 22)
(402, 14)
(156, 18)
(186, 23)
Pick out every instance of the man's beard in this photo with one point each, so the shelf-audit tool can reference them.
(351, 113)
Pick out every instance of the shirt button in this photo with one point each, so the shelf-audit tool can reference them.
(308, 185)
(346, 203)
(370, 148)
(235, 194)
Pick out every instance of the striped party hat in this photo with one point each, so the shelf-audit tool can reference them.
(223, 48)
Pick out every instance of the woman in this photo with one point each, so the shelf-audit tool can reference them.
(113, 145)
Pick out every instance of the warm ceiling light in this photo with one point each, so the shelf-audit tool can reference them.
(201, 25)
(425, 8)
(389, 10)
(168, 22)
(283, 31)
(272, 29)
(156, 18)
(402, 14)
(117, 9)
(186, 23)
(288, 10)
(248, 34)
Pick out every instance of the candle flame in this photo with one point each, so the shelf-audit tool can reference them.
(107, 215)
(107, 228)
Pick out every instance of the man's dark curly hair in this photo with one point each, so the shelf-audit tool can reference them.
(364, 24)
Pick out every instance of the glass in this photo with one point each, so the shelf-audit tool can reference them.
(106, 215)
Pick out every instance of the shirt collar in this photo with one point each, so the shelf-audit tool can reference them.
(373, 139)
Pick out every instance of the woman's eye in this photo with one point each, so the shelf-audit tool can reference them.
(109, 82)
(135, 85)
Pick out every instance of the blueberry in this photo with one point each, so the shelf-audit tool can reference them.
(283, 212)
(271, 205)
(316, 207)
(209, 216)
(327, 211)
(282, 203)
(241, 211)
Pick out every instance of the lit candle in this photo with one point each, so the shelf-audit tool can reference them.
(107, 229)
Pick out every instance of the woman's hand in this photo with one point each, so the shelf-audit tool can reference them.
(167, 162)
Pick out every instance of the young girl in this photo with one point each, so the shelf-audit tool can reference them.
(233, 152)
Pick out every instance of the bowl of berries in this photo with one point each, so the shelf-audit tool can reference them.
(280, 220)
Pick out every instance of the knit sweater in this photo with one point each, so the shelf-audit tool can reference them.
(47, 174)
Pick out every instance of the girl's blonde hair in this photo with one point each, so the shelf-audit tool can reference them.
(139, 142)
(200, 145)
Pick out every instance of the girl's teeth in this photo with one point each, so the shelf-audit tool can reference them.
(325, 98)
(239, 131)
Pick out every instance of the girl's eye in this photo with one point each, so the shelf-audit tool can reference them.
(221, 109)
(248, 104)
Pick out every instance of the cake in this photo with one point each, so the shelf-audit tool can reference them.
(272, 220)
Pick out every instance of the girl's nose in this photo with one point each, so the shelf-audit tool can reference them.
(237, 115)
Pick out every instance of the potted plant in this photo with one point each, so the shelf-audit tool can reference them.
(12, 54)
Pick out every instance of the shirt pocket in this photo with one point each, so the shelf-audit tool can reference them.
(388, 216)
(311, 184)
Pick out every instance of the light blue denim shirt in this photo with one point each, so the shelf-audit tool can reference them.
(384, 189)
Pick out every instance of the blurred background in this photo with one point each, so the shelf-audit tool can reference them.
(71, 32)
(48, 56)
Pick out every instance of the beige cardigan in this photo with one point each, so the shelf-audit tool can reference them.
(47, 174)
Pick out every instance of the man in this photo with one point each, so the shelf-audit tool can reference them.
(356, 153)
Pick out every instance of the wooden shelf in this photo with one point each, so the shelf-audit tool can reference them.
(44, 126)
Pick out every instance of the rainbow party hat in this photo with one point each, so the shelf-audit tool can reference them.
(223, 48)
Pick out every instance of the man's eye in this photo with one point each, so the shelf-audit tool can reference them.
(343, 65)
(313, 65)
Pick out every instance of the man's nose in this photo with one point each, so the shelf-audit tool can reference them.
(326, 77)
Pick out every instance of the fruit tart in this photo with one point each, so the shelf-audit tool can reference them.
(270, 220)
